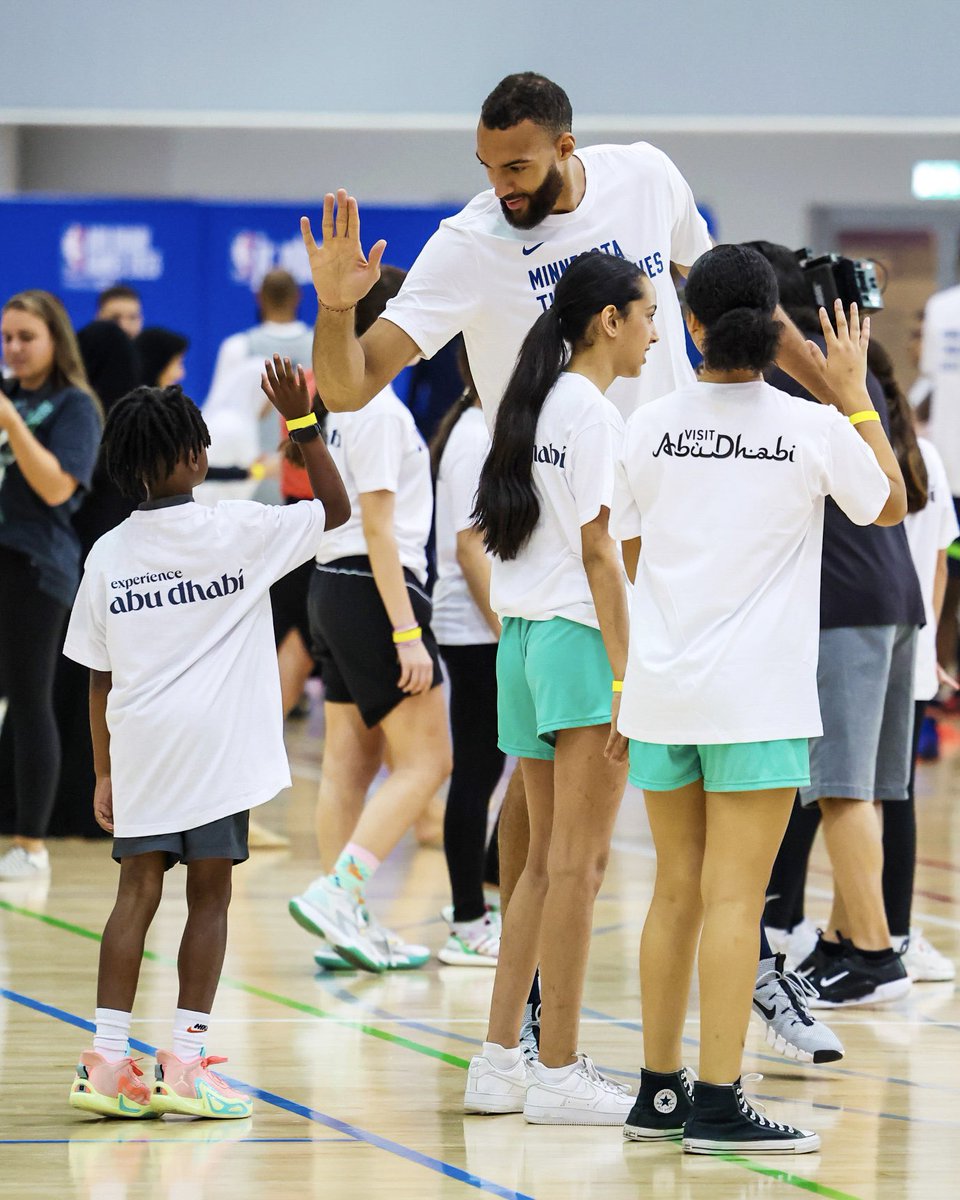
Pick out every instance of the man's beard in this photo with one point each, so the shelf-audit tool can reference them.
(539, 203)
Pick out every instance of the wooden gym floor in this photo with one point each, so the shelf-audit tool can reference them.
(359, 1078)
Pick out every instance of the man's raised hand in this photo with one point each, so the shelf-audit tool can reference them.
(342, 275)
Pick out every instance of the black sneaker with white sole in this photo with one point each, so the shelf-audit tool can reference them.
(723, 1121)
(853, 979)
(661, 1108)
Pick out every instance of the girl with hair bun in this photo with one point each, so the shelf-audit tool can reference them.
(725, 481)
(557, 584)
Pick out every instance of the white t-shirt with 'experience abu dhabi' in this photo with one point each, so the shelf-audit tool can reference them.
(725, 483)
(574, 455)
(175, 603)
(379, 449)
(456, 620)
(480, 276)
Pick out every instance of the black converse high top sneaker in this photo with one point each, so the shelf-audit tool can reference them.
(663, 1104)
(723, 1121)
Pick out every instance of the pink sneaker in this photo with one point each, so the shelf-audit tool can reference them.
(111, 1089)
(192, 1089)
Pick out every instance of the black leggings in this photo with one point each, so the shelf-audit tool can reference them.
(788, 881)
(31, 631)
(477, 767)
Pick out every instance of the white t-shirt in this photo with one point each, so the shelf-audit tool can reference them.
(728, 482)
(292, 339)
(456, 620)
(940, 362)
(480, 276)
(929, 531)
(578, 433)
(175, 603)
(379, 449)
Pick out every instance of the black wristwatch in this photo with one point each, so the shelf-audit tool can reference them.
(305, 435)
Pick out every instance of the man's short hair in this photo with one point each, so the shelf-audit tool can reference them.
(279, 289)
(119, 291)
(528, 97)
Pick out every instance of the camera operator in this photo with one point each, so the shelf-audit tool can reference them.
(870, 609)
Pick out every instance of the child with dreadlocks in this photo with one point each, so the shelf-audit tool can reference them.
(173, 619)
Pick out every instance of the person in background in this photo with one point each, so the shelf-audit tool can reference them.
(49, 435)
(112, 369)
(161, 354)
(870, 610)
(931, 526)
(278, 332)
(122, 305)
(467, 631)
(370, 620)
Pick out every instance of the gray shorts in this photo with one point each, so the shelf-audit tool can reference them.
(865, 682)
(224, 838)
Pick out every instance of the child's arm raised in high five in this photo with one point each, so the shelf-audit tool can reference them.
(286, 389)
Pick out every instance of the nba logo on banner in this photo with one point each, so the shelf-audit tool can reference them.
(253, 253)
(93, 256)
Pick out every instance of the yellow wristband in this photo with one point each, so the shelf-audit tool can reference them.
(618, 685)
(257, 471)
(868, 414)
(302, 422)
(407, 635)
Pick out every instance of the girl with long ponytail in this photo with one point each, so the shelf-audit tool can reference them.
(557, 585)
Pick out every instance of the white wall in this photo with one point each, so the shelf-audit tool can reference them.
(759, 184)
(695, 57)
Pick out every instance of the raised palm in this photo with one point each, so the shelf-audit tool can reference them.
(341, 273)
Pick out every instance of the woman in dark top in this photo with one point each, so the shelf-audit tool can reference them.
(870, 609)
(49, 434)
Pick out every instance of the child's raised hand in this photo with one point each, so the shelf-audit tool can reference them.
(845, 366)
(285, 387)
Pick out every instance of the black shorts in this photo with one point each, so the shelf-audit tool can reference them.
(353, 638)
(288, 599)
(224, 838)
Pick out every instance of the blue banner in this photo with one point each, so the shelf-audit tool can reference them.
(197, 265)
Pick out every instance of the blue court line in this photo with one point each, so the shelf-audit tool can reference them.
(300, 1110)
(347, 996)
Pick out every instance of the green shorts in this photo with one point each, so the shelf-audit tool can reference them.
(550, 675)
(733, 767)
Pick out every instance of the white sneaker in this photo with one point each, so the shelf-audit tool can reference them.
(493, 1089)
(799, 943)
(924, 963)
(781, 999)
(329, 911)
(19, 863)
(472, 944)
(397, 954)
(581, 1097)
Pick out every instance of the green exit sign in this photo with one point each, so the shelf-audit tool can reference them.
(936, 179)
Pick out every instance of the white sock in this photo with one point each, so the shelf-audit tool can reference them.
(554, 1074)
(189, 1033)
(500, 1057)
(111, 1040)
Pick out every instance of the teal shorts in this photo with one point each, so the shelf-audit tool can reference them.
(550, 675)
(734, 767)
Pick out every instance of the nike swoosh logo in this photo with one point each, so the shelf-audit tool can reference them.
(833, 979)
(530, 249)
(769, 1013)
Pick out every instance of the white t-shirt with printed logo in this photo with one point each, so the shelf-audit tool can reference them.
(379, 449)
(578, 433)
(480, 276)
(940, 363)
(456, 620)
(725, 483)
(175, 603)
(929, 531)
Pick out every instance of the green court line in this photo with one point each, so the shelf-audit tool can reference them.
(452, 1060)
(240, 986)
